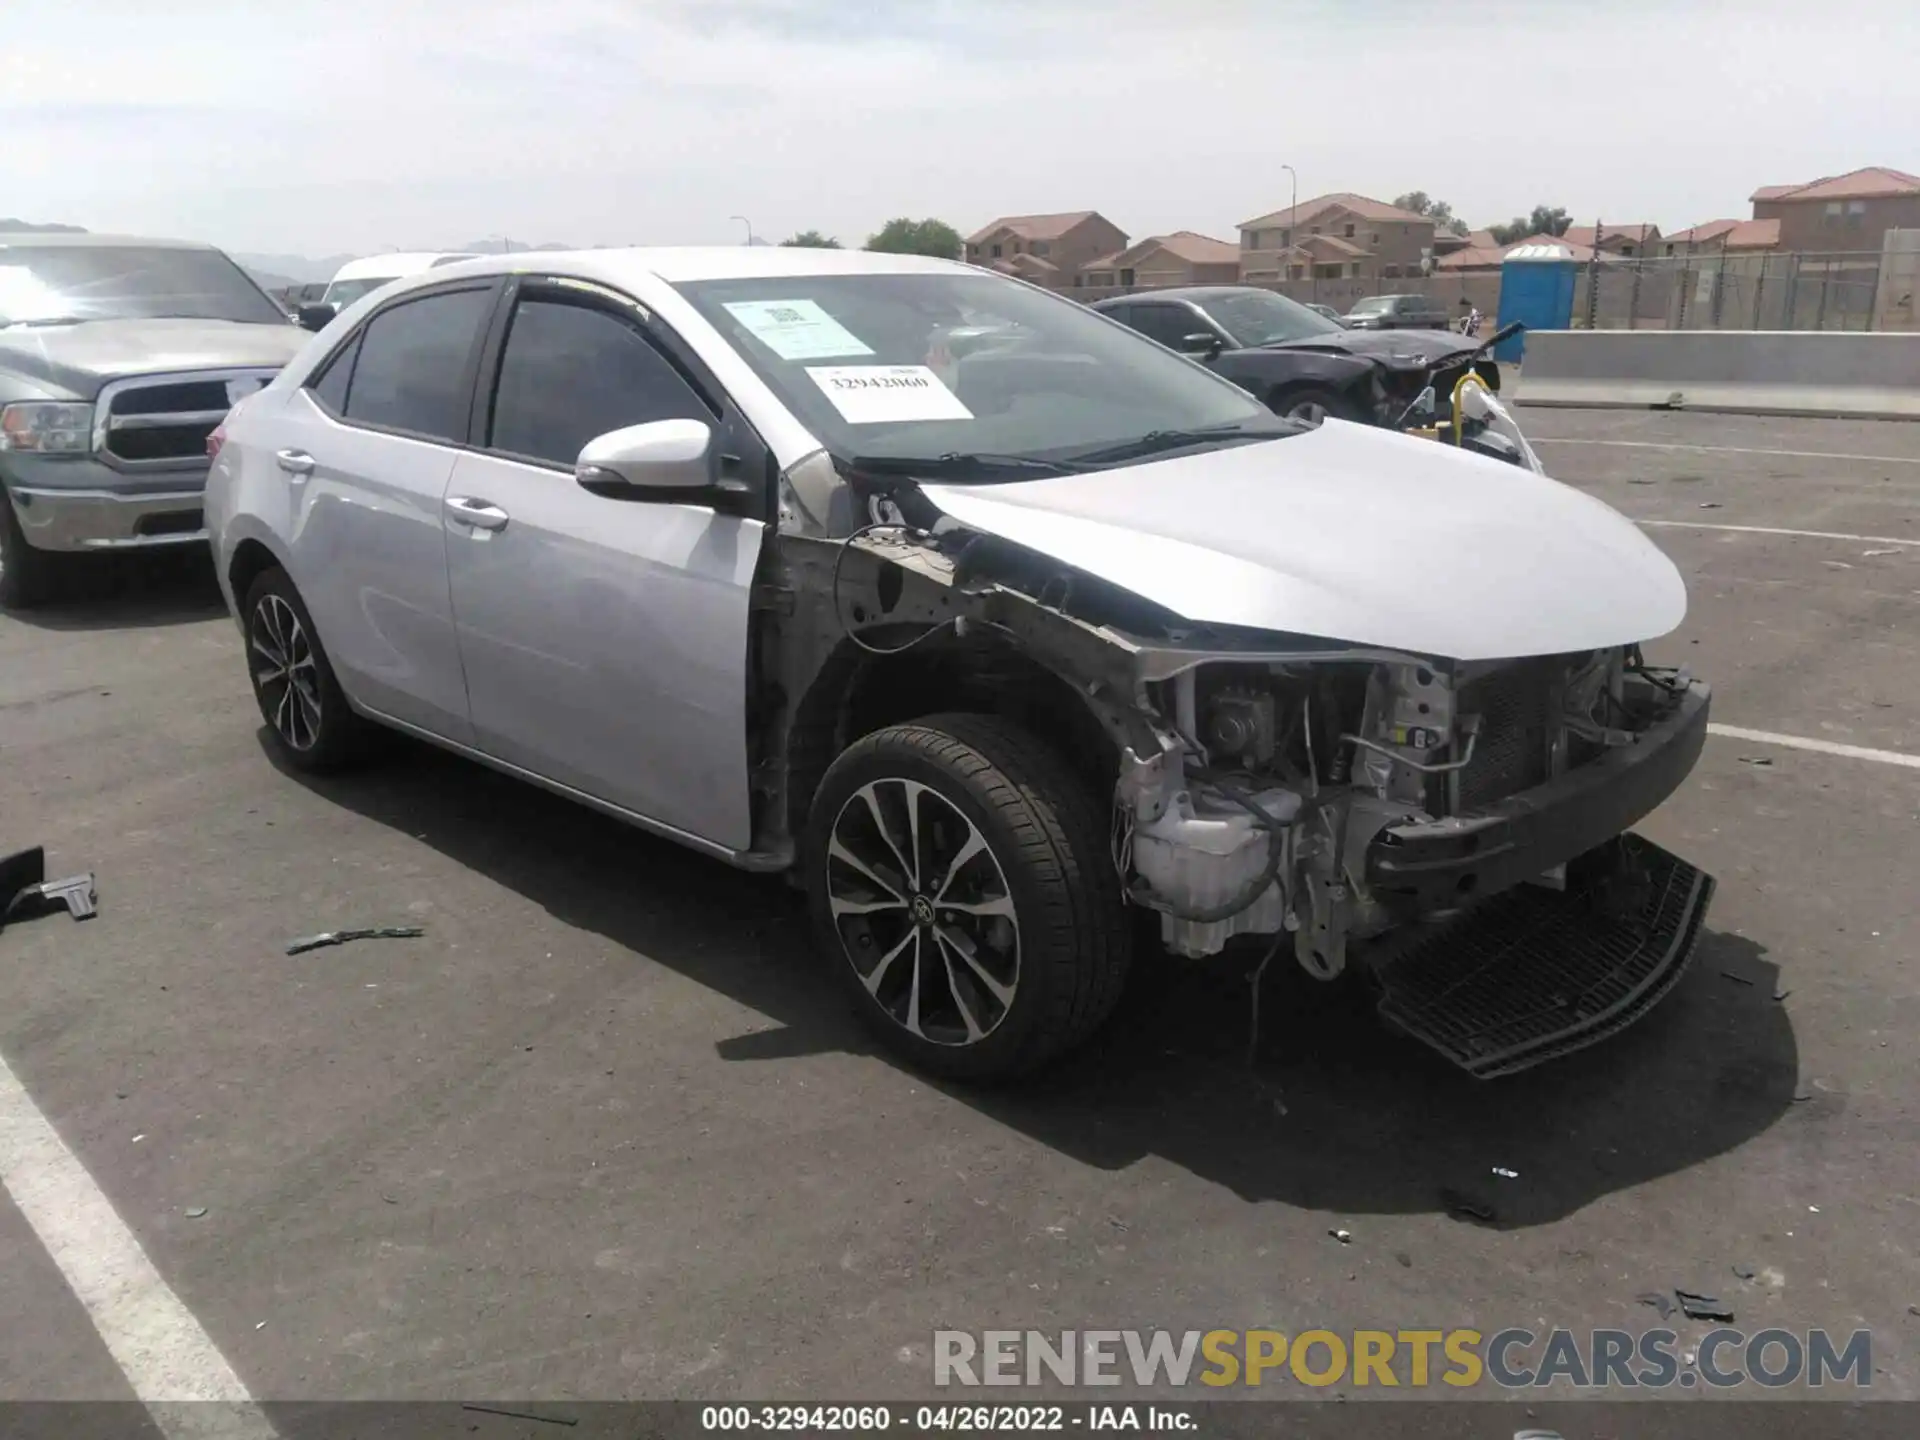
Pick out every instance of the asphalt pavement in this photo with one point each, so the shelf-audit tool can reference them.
(605, 1132)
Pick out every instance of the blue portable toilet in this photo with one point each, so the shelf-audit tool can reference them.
(1536, 288)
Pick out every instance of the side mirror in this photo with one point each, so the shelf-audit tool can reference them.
(314, 317)
(1200, 344)
(664, 460)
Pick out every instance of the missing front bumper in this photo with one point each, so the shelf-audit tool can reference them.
(1536, 974)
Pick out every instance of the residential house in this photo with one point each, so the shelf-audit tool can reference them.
(1335, 237)
(1050, 250)
(1625, 241)
(1182, 258)
(1491, 256)
(1850, 212)
(1716, 237)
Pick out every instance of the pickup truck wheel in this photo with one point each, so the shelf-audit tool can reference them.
(962, 891)
(27, 575)
(1311, 406)
(311, 725)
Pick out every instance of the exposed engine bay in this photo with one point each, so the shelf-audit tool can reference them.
(1339, 802)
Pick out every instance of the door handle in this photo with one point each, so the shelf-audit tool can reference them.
(294, 462)
(480, 514)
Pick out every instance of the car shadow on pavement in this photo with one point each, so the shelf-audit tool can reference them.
(1333, 1113)
(115, 592)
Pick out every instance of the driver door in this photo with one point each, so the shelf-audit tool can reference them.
(604, 640)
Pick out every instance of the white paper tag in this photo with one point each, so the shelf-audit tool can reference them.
(797, 329)
(880, 394)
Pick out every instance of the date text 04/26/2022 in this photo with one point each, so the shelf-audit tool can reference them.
(813, 1419)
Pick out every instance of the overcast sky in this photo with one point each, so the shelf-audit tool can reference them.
(315, 128)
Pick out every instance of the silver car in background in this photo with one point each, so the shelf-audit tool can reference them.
(987, 619)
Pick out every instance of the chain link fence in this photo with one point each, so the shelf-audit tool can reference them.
(1716, 291)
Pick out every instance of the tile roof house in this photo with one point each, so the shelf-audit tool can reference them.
(1050, 250)
(1850, 212)
(1182, 258)
(1337, 236)
(1492, 257)
(1624, 240)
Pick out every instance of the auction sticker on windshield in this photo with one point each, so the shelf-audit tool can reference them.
(797, 329)
(883, 394)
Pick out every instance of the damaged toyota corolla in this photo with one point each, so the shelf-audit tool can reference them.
(996, 626)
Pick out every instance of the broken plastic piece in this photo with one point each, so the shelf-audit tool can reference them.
(1743, 1272)
(342, 937)
(1703, 1307)
(1505, 1174)
(1467, 1207)
(25, 890)
(1657, 1301)
(1345, 1237)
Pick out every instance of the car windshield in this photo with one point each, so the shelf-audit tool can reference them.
(1374, 306)
(60, 284)
(343, 293)
(1260, 317)
(958, 365)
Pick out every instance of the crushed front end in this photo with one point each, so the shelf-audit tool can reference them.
(1457, 829)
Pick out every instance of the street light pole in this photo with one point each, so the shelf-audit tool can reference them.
(746, 222)
(1293, 213)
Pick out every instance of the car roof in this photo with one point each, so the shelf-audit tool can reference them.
(398, 263)
(67, 240)
(624, 267)
(1183, 292)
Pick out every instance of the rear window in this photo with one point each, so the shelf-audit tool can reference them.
(412, 370)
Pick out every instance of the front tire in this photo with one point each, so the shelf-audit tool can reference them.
(27, 575)
(310, 724)
(963, 894)
(1311, 406)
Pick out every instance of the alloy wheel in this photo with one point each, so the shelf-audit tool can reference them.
(284, 672)
(924, 912)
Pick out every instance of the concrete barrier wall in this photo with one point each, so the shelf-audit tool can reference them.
(1752, 372)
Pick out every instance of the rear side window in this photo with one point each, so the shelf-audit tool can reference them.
(570, 373)
(330, 389)
(411, 373)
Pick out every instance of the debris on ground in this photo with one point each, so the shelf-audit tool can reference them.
(1802, 1094)
(1780, 994)
(1710, 505)
(1404, 1258)
(1657, 1301)
(1744, 1272)
(1756, 760)
(1505, 1174)
(1737, 979)
(342, 937)
(1345, 1237)
(198, 1212)
(1466, 1207)
(1836, 564)
(1703, 1307)
(25, 891)
(1868, 554)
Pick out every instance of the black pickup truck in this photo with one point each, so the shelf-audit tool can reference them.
(118, 357)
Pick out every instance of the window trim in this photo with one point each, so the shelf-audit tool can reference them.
(487, 285)
(583, 295)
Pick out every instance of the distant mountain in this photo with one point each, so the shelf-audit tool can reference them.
(27, 227)
(292, 269)
(500, 247)
(268, 281)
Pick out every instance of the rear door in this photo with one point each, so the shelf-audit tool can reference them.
(367, 447)
(604, 639)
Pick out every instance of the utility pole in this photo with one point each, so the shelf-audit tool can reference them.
(746, 222)
(1293, 217)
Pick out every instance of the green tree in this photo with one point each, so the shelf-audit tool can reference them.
(1438, 211)
(1545, 220)
(811, 240)
(917, 237)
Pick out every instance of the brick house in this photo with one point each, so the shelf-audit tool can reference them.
(1841, 212)
(1335, 237)
(1050, 250)
(1182, 258)
(1717, 237)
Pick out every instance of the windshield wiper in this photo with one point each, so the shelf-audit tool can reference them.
(953, 463)
(1157, 440)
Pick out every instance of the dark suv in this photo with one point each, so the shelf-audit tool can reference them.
(1398, 312)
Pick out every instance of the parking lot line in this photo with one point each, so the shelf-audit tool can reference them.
(167, 1358)
(1724, 449)
(1824, 747)
(1770, 530)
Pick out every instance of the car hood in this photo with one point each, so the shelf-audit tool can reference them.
(1386, 345)
(81, 358)
(1354, 534)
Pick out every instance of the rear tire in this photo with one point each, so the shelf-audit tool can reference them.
(1006, 940)
(311, 725)
(27, 576)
